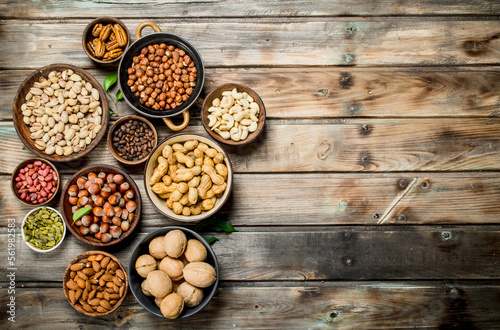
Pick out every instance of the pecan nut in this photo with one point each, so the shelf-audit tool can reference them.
(112, 36)
(91, 48)
(112, 45)
(105, 32)
(112, 54)
(96, 31)
(99, 47)
(121, 36)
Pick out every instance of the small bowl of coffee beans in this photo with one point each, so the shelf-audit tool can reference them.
(131, 139)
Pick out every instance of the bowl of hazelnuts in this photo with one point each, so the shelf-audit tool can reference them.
(161, 75)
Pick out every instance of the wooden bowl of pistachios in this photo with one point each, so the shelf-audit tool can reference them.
(60, 112)
(105, 39)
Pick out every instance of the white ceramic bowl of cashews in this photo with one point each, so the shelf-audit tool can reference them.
(233, 114)
(188, 177)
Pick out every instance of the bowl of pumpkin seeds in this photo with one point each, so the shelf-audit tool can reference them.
(43, 229)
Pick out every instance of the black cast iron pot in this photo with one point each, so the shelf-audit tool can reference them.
(126, 62)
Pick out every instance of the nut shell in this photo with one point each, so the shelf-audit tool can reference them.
(159, 284)
(157, 248)
(195, 251)
(199, 274)
(175, 243)
(144, 288)
(172, 305)
(172, 267)
(145, 264)
(192, 295)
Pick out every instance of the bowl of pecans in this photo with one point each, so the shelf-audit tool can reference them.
(105, 40)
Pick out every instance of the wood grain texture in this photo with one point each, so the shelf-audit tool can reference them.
(331, 253)
(339, 92)
(363, 42)
(241, 8)
(313, 306)
(345, 145)
(333, 199)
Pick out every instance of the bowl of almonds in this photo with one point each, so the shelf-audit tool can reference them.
(105, 40)
(233, 114)
(95, 283)
(60, 112)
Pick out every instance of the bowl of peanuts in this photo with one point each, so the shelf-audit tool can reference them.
(233, 114)
(161, 75)
(188, 177)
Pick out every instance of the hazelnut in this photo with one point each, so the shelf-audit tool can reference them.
(192, 295)
(157, 248)
(199, 274)
(158, 283)
(145, 289)
(172, 267)
(172, 305)
(195, 251)
(145, 264)
(175, 243)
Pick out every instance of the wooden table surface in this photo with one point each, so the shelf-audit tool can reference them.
(371, 200)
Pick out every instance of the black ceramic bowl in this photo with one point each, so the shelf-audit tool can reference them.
(157, 38)
(135, 280)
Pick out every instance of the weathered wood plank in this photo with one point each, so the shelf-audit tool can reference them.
(318, 306)
(330, 253)
(339, 92)
(330, 199)
(240, 8)
(344, 145)
(363, 42)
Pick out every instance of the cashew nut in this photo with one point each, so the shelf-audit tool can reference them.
(244, 133)
(216, 102)
(236, 95)
(227, 101)
(229, 119)
(224, 134)
(246, 122)
(212, 120)
(253, 127)
(235, 134)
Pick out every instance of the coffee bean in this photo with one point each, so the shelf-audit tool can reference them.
(133, 140)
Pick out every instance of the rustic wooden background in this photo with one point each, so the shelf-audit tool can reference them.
(371, 200)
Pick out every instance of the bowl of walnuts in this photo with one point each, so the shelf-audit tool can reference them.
(173, 272)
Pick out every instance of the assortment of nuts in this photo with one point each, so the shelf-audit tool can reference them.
(112, 200)
(43, 228)
(178, 279)
(36, 182)
(162, 76)
(190, 176)
(133, 140)
(63, 113)
(235, 116)
(96, 284)
(109, 41)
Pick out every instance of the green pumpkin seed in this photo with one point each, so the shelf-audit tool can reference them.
(43, 229)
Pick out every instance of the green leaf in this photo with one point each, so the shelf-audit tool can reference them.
(80, 213)
(111, 112)
(223, 225)
(210, 239)
(215, 224)
(109, 81)
(119, 95)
